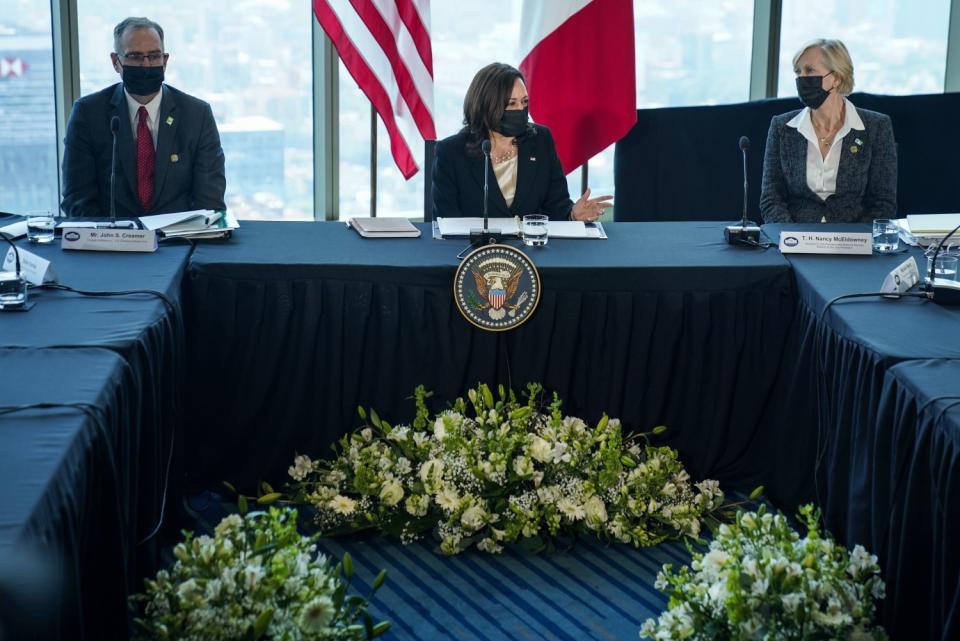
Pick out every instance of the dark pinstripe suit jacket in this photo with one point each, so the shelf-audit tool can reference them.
(866, 178)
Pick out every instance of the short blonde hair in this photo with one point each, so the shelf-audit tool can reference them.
(836, 58)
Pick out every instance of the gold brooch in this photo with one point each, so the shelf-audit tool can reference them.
(174, 158)
(854, 149)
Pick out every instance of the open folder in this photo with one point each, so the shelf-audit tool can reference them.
(457, 227)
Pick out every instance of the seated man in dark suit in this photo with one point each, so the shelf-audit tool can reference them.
(169, 157)
(526, 176)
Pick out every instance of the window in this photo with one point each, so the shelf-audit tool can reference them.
(898, 47)
(689, 52)
(28, 133)
(460, 49)
(252, 61)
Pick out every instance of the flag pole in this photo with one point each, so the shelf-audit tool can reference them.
(584, 176)
(373, 161)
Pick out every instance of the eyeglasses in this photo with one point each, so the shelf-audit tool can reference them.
(139, 58)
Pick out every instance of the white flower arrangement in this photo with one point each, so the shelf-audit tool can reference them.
(256, 578)
(500, 474)
(760, 580)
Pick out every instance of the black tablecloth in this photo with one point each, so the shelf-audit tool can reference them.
(826, 436)
(909, 487)
(291, 326)
(67, 494)
(147, 336)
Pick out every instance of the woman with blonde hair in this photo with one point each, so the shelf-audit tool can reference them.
(828, 162)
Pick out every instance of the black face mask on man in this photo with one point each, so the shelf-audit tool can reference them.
(514, 122)
(810, 90)
(142, 81)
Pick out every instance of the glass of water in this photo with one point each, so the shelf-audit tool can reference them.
(535, 228)
(41, 227)
(886, 236)
(946, 267)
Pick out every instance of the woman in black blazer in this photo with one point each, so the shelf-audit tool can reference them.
(829, 162)
(525, 174)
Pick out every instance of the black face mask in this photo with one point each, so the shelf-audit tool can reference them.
(142, 81)
(514, 122)
(810, 90)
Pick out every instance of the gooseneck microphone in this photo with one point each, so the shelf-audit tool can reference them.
(114, 129)
(941, 290)
(744, 148)
(746, 232)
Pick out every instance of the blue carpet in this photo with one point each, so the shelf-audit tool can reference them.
(589, 592)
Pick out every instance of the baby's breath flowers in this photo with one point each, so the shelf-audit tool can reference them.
(493, 471)
(760, 580)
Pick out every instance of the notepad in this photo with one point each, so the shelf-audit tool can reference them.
(384, 227)
(927, 224)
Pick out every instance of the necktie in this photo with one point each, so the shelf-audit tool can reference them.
(146, 160)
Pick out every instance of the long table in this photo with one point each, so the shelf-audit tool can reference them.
(293, 325)
(829, 442)
(290, 326)
(84, 489)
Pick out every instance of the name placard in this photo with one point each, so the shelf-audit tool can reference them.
(34, 269)
(110, 240)
(818, 242)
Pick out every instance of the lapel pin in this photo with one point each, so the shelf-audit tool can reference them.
(854, 149)
(533, 159)
(169, 120)
(858, 141)
(174, 158)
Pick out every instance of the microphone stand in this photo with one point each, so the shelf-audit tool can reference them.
(941, 290)
(13, 289)
(486, 235)
(114, 129)
(746, 233)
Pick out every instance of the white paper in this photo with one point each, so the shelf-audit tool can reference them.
(197, 219)
(510, 227)
(15, 230)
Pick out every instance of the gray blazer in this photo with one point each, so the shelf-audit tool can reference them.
(189, 164)
(866, 178)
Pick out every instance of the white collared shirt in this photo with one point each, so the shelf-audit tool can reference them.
(153, 114)
(822, 172)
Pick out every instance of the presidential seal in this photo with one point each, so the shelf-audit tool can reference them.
(497, 287)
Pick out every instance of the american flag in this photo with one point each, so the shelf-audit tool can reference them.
(385, 45)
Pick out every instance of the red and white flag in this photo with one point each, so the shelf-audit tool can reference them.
(578, 59)
(385, 45)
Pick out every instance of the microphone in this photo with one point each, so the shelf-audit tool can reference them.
(13, 289)
(746, 232)
(485, 147)
(114, 129)
(941, 290)
(486, 235)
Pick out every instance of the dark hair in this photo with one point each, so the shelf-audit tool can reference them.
(134, 23)
(486, 100)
